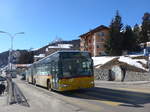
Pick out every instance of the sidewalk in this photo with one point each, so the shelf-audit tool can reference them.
(121, 83)
(3, 100)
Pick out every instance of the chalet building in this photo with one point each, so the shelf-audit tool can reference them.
(94, 40)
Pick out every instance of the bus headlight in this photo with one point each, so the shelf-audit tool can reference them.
(92, 82)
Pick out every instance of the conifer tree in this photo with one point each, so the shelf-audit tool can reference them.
(113, 45)
(145, 32)
(137, 33)
(129, 40)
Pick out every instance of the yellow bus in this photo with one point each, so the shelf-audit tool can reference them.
(63, 71)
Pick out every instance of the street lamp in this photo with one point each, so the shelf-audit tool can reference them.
(9, 80)
(10, 51)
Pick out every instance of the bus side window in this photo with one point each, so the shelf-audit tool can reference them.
(56, 67)
(48, 69)
(53, 68)
(44, 69)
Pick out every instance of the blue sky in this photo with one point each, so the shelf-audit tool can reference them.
(44, 20)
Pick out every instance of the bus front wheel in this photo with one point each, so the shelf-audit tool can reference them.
(34, 82)
(49, 86)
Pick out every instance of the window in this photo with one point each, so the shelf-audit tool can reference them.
(102, 39)
(101, 34)
(100, 46)
(97, 46)
(76, 67)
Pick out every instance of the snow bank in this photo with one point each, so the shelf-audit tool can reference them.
(133, 62)
(138, 63)
(101, 60)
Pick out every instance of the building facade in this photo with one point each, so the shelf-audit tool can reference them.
(94, 40)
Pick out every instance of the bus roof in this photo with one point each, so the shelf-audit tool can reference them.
(60, 51)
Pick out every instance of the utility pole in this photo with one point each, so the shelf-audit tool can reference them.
(11, 46)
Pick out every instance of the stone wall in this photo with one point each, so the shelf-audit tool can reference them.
(137, 76)
(103, 74)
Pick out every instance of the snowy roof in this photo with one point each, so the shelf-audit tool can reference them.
(35, 49)
(147, 43)
(136, 63)
(101, 60)
(39, 56)
(61, 46)
(133, 62)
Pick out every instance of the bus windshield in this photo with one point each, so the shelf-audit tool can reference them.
(78, 65)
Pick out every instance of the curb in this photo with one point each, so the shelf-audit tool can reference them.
(123, 83)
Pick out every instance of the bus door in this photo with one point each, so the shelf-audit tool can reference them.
(31, 77)
(54, 75)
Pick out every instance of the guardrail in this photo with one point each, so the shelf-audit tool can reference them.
(15, 95)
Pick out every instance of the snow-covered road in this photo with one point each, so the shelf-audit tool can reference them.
(38, 101)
